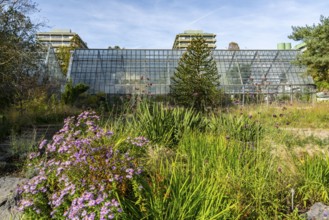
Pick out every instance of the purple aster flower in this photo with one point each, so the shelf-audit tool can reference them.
(59, 170)
(42, 144)
(84, 213)
(88, 196)
(51, 148)
(115, 203)
(24, 204)
(92, 203)
(91, 216)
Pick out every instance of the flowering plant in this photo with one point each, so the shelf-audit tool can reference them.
(82, 174)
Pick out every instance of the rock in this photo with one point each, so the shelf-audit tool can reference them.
(8, 197)
(318, 211)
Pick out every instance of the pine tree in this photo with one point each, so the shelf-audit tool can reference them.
(196, 79)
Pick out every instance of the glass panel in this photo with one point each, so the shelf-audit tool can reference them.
(131, 71)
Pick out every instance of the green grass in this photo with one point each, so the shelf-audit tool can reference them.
(245, 181)
(239, 164)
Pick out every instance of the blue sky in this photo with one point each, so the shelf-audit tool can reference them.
(146, 24)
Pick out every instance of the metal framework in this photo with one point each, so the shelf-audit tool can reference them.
(52, 66)
(51, 69)
(146, 71)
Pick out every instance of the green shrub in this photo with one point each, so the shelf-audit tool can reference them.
(71, 93)
(242, 128)
(313, 185)
(166, 125)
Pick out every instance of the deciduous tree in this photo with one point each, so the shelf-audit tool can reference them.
(18, 49)
(233, 46)
(316, 56)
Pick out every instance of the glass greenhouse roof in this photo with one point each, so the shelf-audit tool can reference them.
(50, 66)
(132, 71)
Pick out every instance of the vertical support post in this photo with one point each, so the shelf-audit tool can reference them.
(243, 95)
(290, 94)
(313, 95)
(267, 100)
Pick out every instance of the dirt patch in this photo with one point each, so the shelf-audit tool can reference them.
(287, 154)
(310, 148)
(306, 132)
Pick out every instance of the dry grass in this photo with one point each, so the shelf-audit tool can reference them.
(305, 132)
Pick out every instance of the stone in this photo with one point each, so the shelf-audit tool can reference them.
(8, 197)
(318, 211)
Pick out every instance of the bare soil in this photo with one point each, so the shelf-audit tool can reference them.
(305, 132)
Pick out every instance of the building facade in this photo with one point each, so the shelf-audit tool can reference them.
(284, 46)
(182, 40)
(302, 47)
(61, 37)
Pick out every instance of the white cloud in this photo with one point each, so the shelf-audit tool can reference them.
(154, 24)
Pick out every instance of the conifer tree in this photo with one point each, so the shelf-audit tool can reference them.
(196, 79)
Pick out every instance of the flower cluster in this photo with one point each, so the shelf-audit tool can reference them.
(80, 172)
(138, 141)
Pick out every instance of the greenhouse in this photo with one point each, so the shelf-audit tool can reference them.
(50, 66)
(244, 74)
